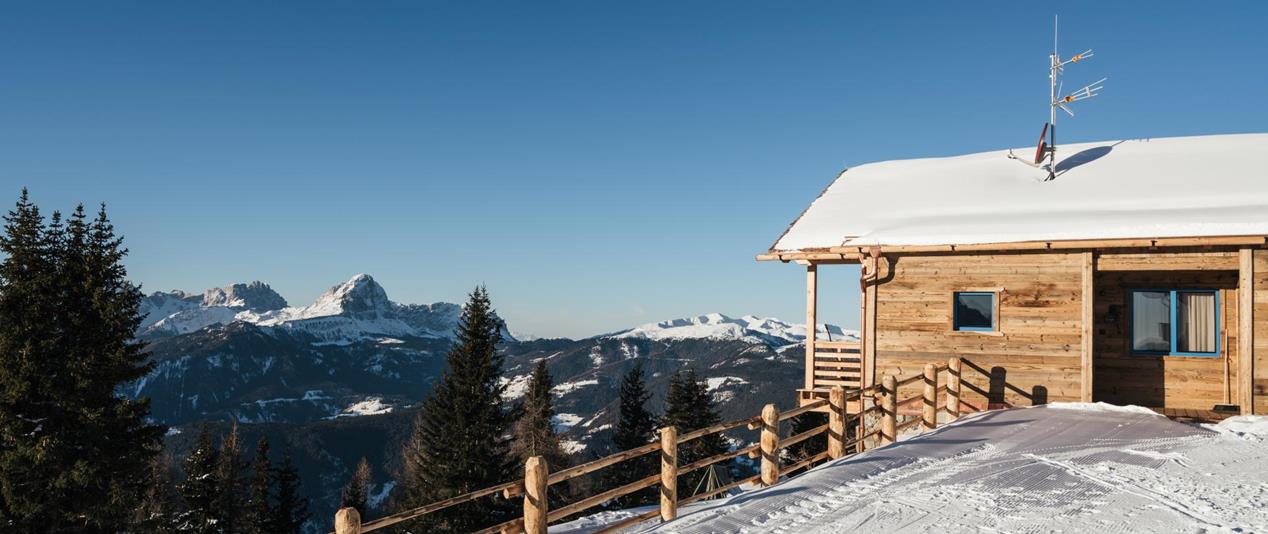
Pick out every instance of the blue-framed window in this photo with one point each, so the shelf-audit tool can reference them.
(974, 311)
(1175, 322)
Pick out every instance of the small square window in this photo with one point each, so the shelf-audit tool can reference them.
(974, 311)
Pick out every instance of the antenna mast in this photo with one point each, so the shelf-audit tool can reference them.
(1046, 153)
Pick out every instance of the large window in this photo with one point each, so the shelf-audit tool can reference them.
(1182, 322)
(974, 311)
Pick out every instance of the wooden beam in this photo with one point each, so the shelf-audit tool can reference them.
(770, 445)
(889, 410)
(836, 422)
(347, 521)
(536, 502)
(868, 320)
(812, 321)
(668, 473)
(1246, 331)
(1087, 321)
(953, 388)
(930, 413)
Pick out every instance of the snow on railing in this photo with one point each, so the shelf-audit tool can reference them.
(538, 478)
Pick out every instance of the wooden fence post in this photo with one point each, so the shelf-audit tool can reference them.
(953, 388)
(536, 504)
(347, 521)
(930, 414)
(770, 445)
(889, 409)
(836, 422)
(862, 427)
(668, 473)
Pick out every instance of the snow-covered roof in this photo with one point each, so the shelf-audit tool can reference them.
(1201, 186)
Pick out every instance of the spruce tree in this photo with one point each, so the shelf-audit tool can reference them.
(689, 406)
(535, 431)
(157, 511)
(77, 455)
(292, 509)
(635, 427)
(357, 491)
(201, 491)
(810, 447)
(460, 440)
(229, 472)
(259, 507)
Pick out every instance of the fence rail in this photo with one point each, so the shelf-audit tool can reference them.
(538, 477)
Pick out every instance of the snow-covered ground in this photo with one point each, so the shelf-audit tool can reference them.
(1059, 468)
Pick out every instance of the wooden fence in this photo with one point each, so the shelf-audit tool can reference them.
(538, 477)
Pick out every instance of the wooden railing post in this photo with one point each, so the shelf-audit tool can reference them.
(668, 473)
(836, 422)
(536, 504)
(859, 446)
(930, 414)
(953, 388)
(889, 409)
(770, 445)
(347, 521)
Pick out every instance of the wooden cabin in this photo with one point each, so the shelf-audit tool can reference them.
(1137, 275)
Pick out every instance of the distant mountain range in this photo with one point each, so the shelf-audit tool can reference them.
(302, 374)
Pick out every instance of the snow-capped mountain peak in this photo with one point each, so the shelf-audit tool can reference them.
(359, 297)
(354, 310)
(256, 296)
(767, 330)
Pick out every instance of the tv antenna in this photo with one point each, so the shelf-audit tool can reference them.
(1047, 148)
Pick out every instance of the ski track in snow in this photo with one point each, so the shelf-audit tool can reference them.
(1019, 471)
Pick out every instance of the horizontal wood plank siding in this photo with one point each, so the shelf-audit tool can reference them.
(1179, 382)
(1261, 332)
(1034, 356)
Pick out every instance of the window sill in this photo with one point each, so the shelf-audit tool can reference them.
(978, 332)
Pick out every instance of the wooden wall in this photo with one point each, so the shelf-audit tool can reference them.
(1035, 355)
(1261, 332)
(1197, 383)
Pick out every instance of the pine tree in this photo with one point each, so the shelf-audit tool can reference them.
(201, 491)
(635, 427)
(810, 447)
(460, 440)
(158, 509)
(76, 454)
(535, 431)
(292, 509)
(357, 491)
(229, 472)
(259, 509)
(689, 406)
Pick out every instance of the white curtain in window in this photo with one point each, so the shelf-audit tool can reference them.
(1196, 330)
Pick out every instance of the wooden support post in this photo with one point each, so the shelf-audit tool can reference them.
(770, 445)
(862, 428)
(536, 504)
(953, 388)
(836, 422)
(889, 409)
(1088, 320)
(1246, 331)
(347, 521)
(668, 473)
(930, 414)
(869, 318)
(812, 320)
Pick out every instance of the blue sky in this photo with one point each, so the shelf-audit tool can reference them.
(596, 164)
